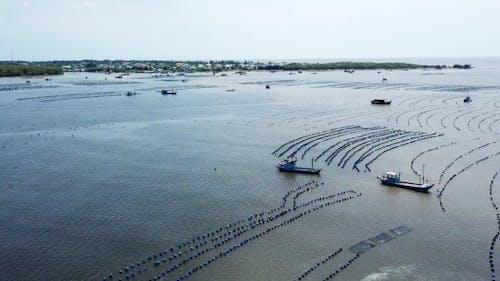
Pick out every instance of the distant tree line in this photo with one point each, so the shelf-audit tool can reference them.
(11, 70)
(345, 65)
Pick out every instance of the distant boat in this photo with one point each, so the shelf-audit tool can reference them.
(288, 165)
(268, 87)
(381, 101)
(394, 179)
(351, 71)
(467, 99)
(384, 79)
(48, 79)
(300, 71)
(230, 90)
(313, 73)
(168, 92)
(119, 76)
(129, 94)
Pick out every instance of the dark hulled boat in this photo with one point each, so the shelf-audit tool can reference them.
(289, 165)
(381, 101)
(168, 92)
(394, 179)
(467, 99)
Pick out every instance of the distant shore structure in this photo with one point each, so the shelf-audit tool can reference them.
(124, 67)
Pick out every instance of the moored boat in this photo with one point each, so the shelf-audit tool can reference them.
(168, 92)
(467, 99)
(394, 179)
(289, 165)
(381, 101)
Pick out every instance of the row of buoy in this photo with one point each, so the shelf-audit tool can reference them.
(199, 241)
(306, 136)
(249, 227)
(228, 250)
(305, 186)
(389, 147)
(401, 114)
(341, 268)
(420, 114)
(452, 177)
(483, 120)
(428, 118)
(24, 86)
(298, 194)
(443, 172)
(412, 163)
(495, 238)
(384, 140)
(263, 233)
(370, 130)
(475, 117)
(454, 122)
(353, 140)
(318, 264)
(321, 140)
(490, 127)
(375, 142)
(284, 148)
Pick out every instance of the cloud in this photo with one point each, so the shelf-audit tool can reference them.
(85, 5)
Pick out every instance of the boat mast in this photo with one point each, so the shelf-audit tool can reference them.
(423, 174)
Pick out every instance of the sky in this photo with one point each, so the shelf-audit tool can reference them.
(247, 29)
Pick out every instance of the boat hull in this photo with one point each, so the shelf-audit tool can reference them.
(381, 102)
(299, 170)
(407, 185)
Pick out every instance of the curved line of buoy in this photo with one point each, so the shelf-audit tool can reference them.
(461, 156)
(412, 163)
(450, 179)
(239, 231)
(495, 237)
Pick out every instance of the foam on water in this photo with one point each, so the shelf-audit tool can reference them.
(393, 273)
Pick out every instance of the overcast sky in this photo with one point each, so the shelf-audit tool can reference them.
(253, 29)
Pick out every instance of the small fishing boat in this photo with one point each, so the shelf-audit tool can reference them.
(168, 92)
(268, 87)
(394, 179)
(289, 165)
(381, 101)
(129, 94)
(230, 90)
(384, 79)
(467, 99)
(119, 77)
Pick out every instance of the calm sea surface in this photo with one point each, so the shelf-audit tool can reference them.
(93, 181)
